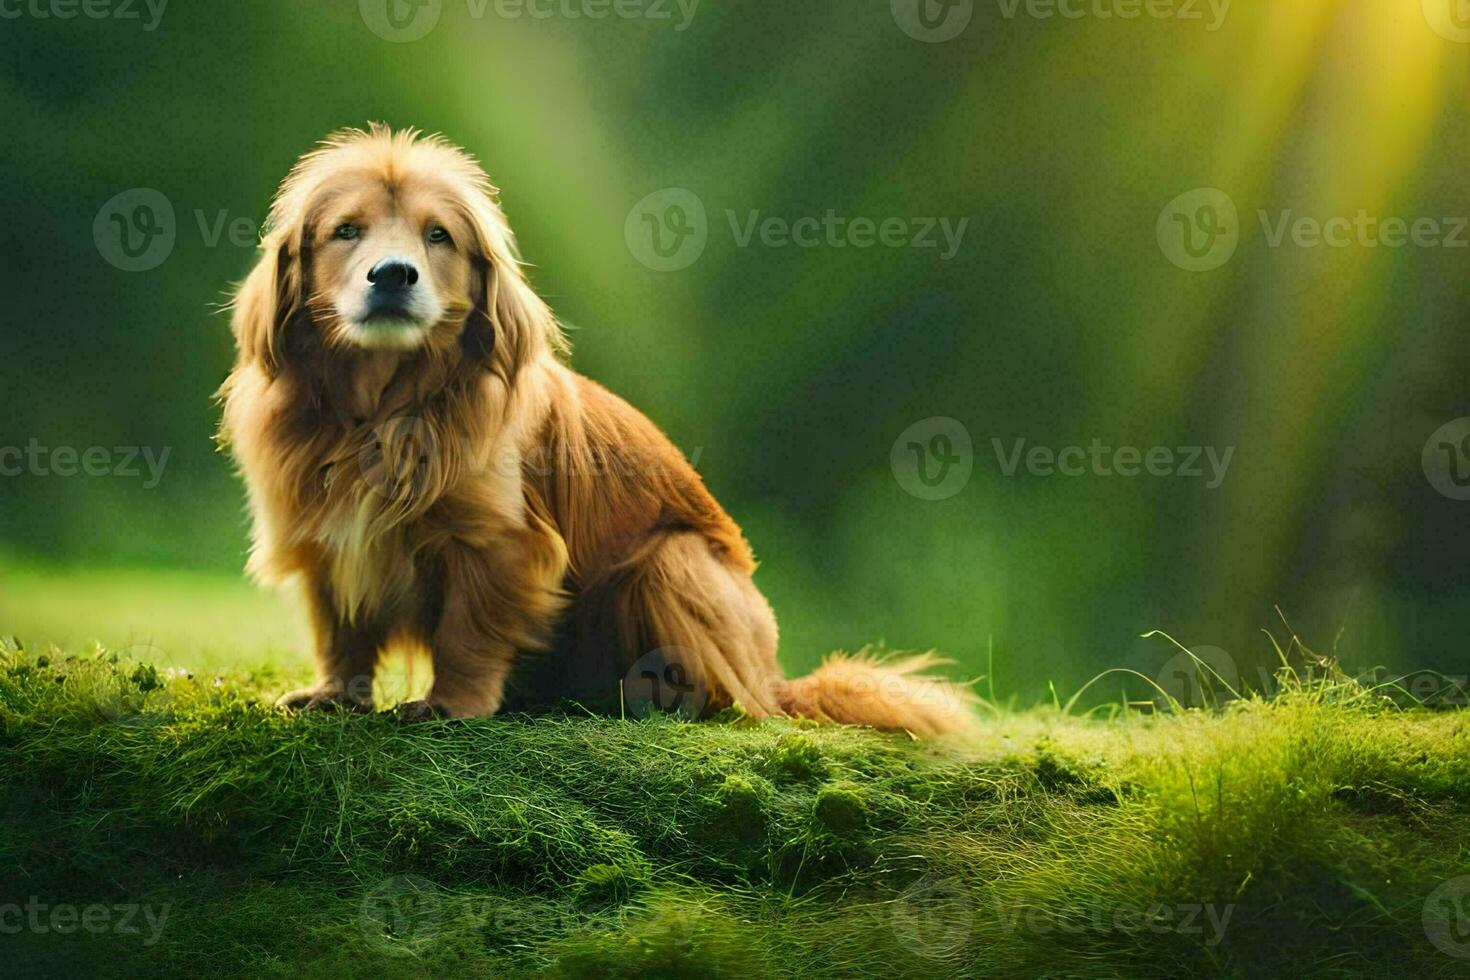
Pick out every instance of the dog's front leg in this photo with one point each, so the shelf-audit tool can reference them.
(496, 601)
(346, 655)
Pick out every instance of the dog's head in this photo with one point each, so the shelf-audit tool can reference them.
(389, 241)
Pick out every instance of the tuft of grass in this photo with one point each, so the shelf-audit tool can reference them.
(1299, 835)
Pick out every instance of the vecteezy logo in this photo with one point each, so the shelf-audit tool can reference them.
(1199, 230)
(932, 20)
(1450, 19)
(400, 21)
(669, 679)
(135, 229)
(932, 458)
(395, 457)
(1447, 917)
(400, 915)
(667, 230)
(933, 917)
(1446, 459)
(1203, 676)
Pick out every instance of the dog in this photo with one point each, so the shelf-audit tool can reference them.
(425, 467)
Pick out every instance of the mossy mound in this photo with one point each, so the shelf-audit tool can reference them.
(1309, 835)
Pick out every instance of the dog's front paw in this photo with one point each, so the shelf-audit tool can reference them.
(419, 711)
(321, 699)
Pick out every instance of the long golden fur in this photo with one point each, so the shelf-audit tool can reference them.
(422, 462)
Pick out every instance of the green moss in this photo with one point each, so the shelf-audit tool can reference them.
(677, 933)
(413, 834)
(842, 810)
(796, 757)
(737, 809)
(601, 847)
(604, 885)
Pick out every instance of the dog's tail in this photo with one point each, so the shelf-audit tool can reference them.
(889, 693)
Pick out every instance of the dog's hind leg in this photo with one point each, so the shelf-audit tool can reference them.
(685, 602)
(703, 613)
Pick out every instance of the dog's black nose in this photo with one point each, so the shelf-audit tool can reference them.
(393, 273)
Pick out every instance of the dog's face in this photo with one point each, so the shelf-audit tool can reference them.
(383, 241)
(390, 261)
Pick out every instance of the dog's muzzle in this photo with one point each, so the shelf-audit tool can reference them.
(390, 295)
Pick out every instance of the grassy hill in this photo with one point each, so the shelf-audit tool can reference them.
(157, 823)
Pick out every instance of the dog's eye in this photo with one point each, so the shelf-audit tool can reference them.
(438, 235)
(346, 232)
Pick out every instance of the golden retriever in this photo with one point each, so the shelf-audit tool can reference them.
(422, 462)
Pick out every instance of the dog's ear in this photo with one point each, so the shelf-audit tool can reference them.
(267, 301)
(478, 339)
(510, 324)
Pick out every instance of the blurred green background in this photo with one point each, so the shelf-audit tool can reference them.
(791, 371)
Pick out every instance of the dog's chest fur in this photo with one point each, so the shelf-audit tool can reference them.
(367, 566)
(370, 529)
(379, 531)
(368, 509)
